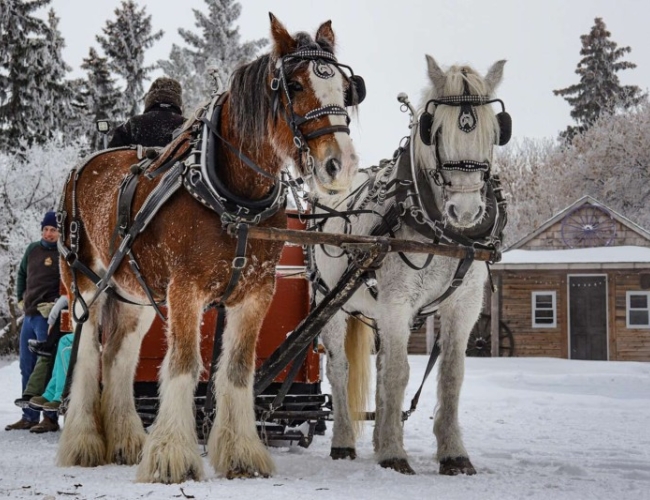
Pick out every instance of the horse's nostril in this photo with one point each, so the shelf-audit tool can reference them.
(479, 213)
(452, 212)
(333, 166)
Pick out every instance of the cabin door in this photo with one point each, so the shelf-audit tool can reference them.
(588, 317)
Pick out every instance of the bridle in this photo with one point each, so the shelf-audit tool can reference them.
(467, 122)
(355, 93)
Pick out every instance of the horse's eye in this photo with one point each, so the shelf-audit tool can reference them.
(294, 86)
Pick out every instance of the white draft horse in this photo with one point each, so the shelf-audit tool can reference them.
(285, 107)
(452, 155)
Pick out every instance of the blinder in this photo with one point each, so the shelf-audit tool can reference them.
(356, 91)
(467, 117)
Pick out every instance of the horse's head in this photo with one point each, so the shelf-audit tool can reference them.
(300, 106)
(457, 130)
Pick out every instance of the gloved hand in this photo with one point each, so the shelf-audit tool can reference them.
(44, 308)
(21, 305)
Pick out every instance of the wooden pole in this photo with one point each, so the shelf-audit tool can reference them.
(393, 244)
(495, 318)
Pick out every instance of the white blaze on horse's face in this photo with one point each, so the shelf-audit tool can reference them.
(334, 155)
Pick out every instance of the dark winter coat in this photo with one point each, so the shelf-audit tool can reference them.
(38, 276)
(152, 128)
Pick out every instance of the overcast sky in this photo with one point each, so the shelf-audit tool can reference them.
(385, 41)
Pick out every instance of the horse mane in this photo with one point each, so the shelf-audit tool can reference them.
(250, 92)
(455, 142)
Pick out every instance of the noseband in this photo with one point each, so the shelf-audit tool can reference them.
(295, 121)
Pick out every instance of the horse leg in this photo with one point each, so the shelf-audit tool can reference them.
(343, 439)
(124, 327)
(170, 453)
(393, 375)
(457, 320)
(234, 447)
(82, 441)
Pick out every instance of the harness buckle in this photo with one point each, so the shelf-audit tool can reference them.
(239, 262)
(275, 84)
(456, 282)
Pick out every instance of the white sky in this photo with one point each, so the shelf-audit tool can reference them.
(385, 41)
(535, 429)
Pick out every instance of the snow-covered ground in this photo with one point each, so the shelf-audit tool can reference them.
(534, 428)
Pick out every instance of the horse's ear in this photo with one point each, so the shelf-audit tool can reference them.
(283, 42)
(326, 33)
(436, 75)
(494, 76)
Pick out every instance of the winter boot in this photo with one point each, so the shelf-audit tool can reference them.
(46, 425)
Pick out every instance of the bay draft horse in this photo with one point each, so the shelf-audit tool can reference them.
(453, 201)
(288, 106)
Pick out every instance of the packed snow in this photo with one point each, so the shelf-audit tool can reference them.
(535, 428)
(595, 255)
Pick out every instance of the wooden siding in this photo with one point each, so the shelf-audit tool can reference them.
(551, 239)
(418, 341)
(627, 344)
(516, 312)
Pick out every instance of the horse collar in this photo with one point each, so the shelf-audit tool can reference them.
(203, 183)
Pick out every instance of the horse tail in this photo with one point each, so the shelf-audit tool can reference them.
(359, 345)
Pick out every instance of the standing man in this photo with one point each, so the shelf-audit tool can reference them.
(37, 291)
(163, 113)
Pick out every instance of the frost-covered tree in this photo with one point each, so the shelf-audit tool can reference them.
(21, 56)
(125, 42)
(100, 98)
(216, 47)
(55, 93)
(599, 90)
(532, 172)
(611, 162)
(30, 184)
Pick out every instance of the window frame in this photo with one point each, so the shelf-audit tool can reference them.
(628, 295)
(534, 308)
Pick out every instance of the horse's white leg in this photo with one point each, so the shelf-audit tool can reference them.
(124, 328)
(393, 376)
(333, 336)
(82, 441)
(170, 453)
(457, 319)
(234, 447)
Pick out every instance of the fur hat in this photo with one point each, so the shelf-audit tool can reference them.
(164, 90)
(49, 220)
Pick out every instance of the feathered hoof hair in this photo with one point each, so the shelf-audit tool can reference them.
(164, 90)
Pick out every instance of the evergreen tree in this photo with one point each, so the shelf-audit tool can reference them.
(599, 91)
(100, 98)
(21, 56)
(56, 112)
(216, 47)
(124, 42)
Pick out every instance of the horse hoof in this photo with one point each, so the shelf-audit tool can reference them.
(400, 465)
(455, 466)
(244, 474)
(341, 453)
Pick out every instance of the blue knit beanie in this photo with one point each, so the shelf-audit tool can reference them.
(49, 220)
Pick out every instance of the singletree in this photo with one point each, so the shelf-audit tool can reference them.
(125, 42)
(216, 48)
(599, 90)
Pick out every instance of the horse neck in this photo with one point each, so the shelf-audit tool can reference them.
(241, 179)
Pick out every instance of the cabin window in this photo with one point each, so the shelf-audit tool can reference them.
(544, 310)
(638, 309)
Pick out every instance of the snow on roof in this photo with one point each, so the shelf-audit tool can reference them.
(589, 257)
